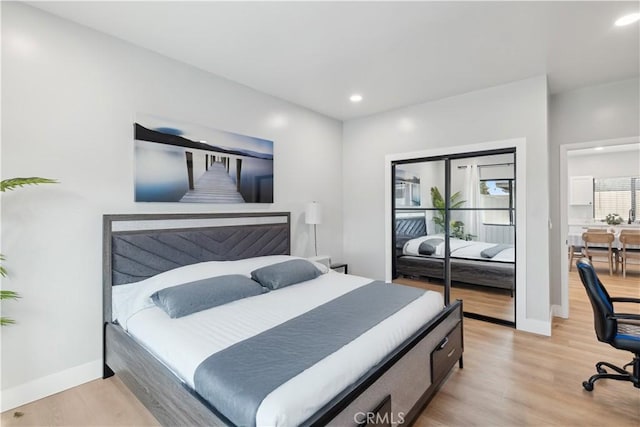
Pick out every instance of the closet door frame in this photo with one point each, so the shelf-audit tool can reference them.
(515, 147)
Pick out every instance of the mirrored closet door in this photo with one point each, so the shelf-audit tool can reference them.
(454, 229)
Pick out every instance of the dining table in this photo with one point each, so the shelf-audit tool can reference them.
(574, 238)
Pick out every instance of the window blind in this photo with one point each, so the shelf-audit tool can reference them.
(616, 195)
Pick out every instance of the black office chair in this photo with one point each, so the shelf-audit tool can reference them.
(620, 330)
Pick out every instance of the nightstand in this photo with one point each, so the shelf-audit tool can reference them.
(340, 268)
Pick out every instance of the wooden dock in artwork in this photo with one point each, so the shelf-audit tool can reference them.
(214, 186)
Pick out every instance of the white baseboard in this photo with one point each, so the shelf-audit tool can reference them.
(558, 311)
(535, 326)
(51, 384)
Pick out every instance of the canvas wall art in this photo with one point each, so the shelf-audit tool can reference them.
(407, 188)
(188, 163)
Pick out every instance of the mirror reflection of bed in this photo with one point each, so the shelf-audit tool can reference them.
(486, 289)
(481, 230)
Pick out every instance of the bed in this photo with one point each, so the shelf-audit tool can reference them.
(241, 362)
(472, 262)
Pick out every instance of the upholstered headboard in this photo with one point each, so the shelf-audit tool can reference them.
(140, 246)
(408, 228)
(411, 226)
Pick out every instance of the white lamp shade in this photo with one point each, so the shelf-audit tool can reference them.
(313, 213)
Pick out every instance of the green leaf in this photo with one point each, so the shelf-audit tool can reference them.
(4, 321)
(438, 202)
(13, 183)
(9, 295)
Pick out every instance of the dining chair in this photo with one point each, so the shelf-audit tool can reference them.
(627, 238)
(598, 247)
(575, 252)
(596, 230)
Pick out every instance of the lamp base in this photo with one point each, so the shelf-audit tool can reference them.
(315, 238)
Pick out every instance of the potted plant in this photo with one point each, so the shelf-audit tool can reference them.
(613, 219)
(11, 184)
(456, 228)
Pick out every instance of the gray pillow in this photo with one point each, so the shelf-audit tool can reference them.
(428, 247)
(188, 298)
(494, 250)
(286, 273)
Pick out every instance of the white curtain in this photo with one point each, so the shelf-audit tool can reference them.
(473, 219)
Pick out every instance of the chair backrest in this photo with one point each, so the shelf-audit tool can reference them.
(605, 327)
(596, 230)
(630, 237)
(597, 237)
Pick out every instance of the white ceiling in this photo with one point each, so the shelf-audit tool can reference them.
(316, 54)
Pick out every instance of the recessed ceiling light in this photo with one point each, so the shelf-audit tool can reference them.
(628, 19)
(599, 148)
(355, 97)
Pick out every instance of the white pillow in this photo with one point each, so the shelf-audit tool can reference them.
(129, 299)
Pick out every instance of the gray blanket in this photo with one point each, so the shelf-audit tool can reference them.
(236, 380)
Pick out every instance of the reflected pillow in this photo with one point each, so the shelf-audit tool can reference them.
(429, 246)
(286, 273)
(494, 250)
(181, 300)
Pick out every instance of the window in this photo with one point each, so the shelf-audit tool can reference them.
(616, 195)
(497, 196)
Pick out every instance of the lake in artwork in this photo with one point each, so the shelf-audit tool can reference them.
(186, 163)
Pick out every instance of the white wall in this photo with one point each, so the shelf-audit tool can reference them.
(69, 99)
(602, 164)
(510, 111)
(594, 113)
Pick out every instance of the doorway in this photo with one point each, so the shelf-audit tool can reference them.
(605, 176)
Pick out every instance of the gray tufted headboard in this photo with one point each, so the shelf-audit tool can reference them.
(411, 226)
(140, 246)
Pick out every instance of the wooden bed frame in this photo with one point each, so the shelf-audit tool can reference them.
(491, 274)
(399, 386)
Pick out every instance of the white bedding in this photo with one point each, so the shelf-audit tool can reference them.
(183, 343)
(459, 248)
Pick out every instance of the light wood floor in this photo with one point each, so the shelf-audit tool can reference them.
(496, 303)
(510, 378)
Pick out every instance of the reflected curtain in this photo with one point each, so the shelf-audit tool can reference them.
(473, 219)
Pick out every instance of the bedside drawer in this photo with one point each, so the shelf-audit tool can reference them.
(446, 354)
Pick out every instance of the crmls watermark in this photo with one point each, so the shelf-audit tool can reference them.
(376, 418)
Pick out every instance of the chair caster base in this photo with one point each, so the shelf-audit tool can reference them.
(622, 374)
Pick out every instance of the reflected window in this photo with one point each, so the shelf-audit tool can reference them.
(497, 194)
